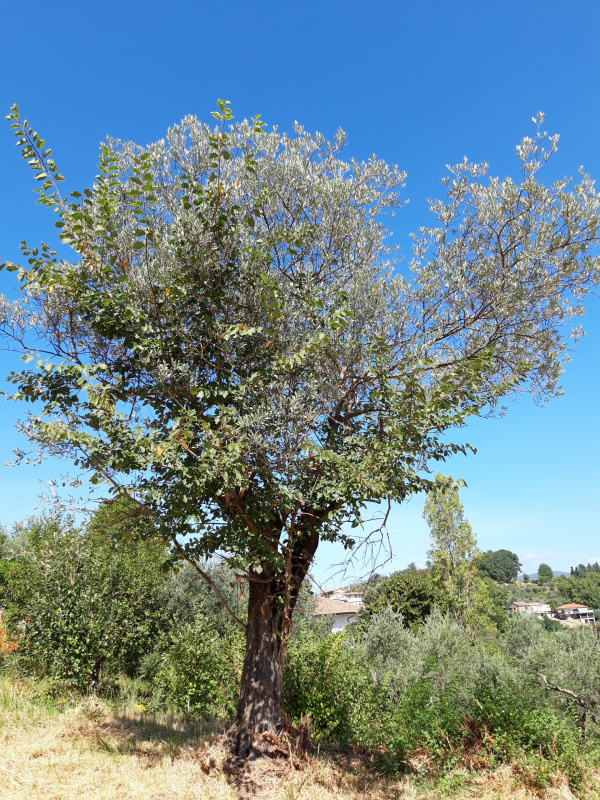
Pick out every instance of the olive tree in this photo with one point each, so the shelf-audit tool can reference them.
(233, 346)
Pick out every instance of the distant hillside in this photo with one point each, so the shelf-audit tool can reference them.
(533, 576)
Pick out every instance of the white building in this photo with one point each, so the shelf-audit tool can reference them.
(574, 612)
(342, 610)
(531, 609)
(345, 596)
(571, 615)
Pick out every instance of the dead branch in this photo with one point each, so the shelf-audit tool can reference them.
(212, 585)
(573, 695)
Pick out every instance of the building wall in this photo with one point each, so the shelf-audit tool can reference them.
(341, 621)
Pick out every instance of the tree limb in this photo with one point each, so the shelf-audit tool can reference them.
(573, 695)
(212, 585)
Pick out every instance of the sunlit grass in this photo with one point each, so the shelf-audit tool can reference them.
(50, 749)
(11, 698)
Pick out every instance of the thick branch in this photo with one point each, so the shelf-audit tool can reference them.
(212, 585)
(573, 695)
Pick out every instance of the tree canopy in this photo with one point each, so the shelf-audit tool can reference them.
(583, 587)
(411, 593)
(499, 565)
(235, 348)
(545, 573)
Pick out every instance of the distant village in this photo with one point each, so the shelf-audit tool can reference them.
(343, 606)
(571, 615)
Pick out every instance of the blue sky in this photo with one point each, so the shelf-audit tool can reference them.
(419, 84)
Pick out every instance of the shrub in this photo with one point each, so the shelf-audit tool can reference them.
(438, 688)
(78, 600)
(321, 679)
(412, 594)
(200, 670)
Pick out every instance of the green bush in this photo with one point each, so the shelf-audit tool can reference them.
(437, 687)
(77, 599)
(321, 679)
(200, 670)
(412, 594)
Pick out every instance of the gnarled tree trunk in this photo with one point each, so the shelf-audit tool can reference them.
(270, 605)
(260, 706)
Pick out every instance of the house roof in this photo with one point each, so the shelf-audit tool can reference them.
(570, 605)
(520, 603)
(325, 606)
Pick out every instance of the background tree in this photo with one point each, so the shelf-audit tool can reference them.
(234, 349)
(454, 552)
(4, 544)
(584, 589)
(410, 593)
(499, 565)
(4, 565)
(545, 573)
(498, 601)
(89, 602)
(581, 570)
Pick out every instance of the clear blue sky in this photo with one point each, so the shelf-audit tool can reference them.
(419, 84)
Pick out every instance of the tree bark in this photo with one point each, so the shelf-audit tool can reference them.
(271, 602)
(96, 673)
(260, 706)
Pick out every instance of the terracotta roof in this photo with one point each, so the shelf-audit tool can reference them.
(324, 606)
(570, 605)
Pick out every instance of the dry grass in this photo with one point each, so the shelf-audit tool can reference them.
(87, 751)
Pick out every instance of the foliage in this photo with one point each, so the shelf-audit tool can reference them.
(397, 657)
(454, 552)
(209, 316)
(209, 319)
(200, 670)
(121, 595)
(545, 573)
(191, 597)
(321, 680)
(583, 586)
(77, 600)
(394, 689)
(499, 565)
(234, 349)
(4, 543)
(410, 593)
(7, 645)
(580, 571)
(4, 566)
(499, 601)
(435, 688)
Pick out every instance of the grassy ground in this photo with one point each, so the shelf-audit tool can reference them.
(67, 750)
